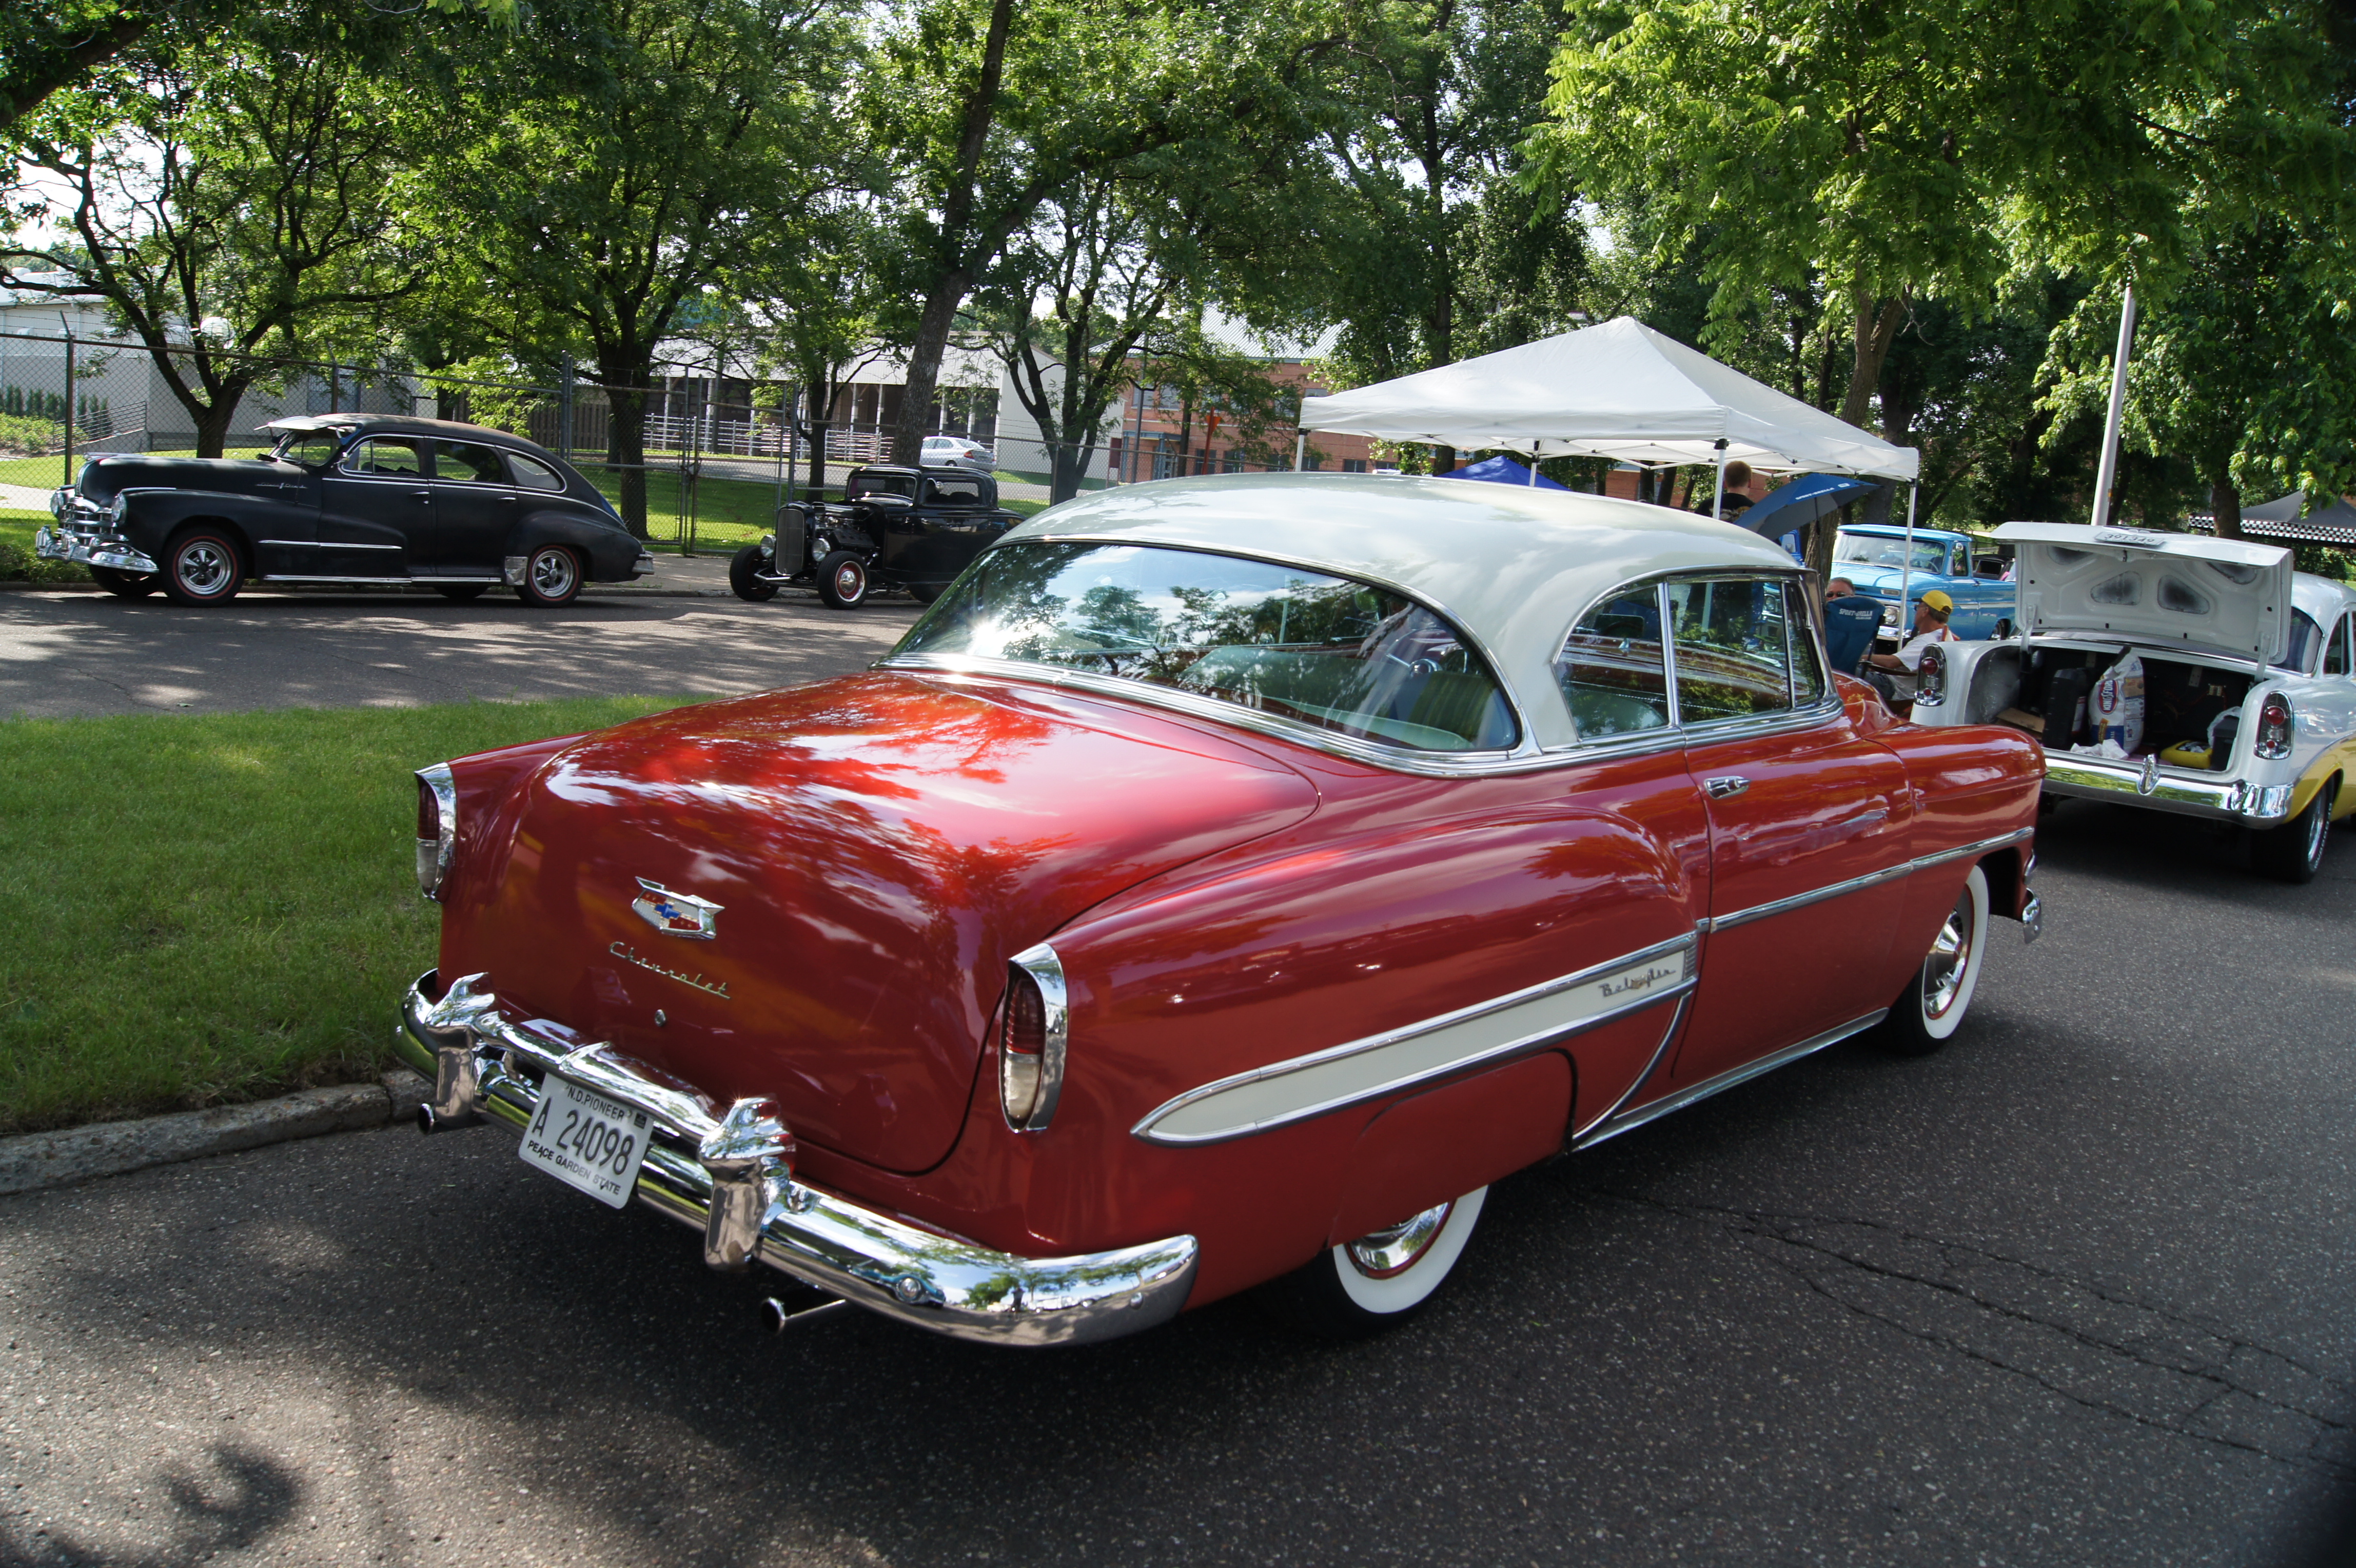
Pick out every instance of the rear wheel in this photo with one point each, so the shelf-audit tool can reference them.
(744, 580)
(551, 578)
(124, 584)
(462, 592)
(202, 566)
(1932, 1007)
(2294, 851)
(1378, 1280)
(842, 581)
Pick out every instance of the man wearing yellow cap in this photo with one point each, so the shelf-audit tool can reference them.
(1931, 613)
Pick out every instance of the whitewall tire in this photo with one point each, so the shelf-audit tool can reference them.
(1927, 1014)
(1376, 1281)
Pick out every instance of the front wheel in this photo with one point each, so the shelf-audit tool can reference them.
(842, 581)
(551, 578)
(124, 584)
(202, 566)
(2294, 851)
(743, 575)
(1932, 1007)
(1366, 1285)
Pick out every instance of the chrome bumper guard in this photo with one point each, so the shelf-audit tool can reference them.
(728, 1172)
(2224, 800)
(60, 544)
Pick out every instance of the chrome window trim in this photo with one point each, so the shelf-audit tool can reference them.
(1686, 947)
(419, 478)
(1870, 879)
(1659, 1108)
(1525, 746)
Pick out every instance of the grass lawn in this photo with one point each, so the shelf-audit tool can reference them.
(215, 908)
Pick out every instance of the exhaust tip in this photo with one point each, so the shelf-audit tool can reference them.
(430, 1121)
(781, 1316)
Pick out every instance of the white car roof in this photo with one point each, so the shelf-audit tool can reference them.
(1511, 565)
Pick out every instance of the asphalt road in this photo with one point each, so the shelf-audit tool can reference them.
(2079, 1290)
(70, 655)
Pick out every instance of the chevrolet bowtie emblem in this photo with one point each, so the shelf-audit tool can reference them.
(677, 914)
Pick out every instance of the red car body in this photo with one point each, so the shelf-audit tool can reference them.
(1278, 958)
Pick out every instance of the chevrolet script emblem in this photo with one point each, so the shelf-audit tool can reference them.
(677, 914)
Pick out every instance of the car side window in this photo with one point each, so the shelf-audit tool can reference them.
(1612, 671)
(2338, 657)
(534, 475)
(464, 461)
(385, 457)
(1732, 637)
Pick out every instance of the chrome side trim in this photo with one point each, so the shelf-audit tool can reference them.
(1870, 879)
(355, 582)
(1044, 967)
(868, 1258)
(1482, 1035)
(1584, 1135)
(1726, 1080)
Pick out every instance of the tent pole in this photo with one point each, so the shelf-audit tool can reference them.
(1534, 468)
(1718, 497)
(1906, 567)
(1299, 450)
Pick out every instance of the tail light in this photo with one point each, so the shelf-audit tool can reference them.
(1930, 679)
(437, 827)
(2272, 740)
(1032, 1028)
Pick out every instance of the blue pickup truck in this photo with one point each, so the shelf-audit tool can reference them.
(1872, 558)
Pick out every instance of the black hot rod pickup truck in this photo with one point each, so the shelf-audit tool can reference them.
(354, 499)
(894, 527)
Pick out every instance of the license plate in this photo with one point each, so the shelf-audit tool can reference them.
(588, 1140)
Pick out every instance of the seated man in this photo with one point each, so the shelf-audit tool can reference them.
(1892, 674)
(1850, 620)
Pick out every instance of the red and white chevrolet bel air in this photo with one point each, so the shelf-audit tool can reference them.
(1220, 887)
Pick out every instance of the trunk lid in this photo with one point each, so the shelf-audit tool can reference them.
(2183, 590)
(857, 861)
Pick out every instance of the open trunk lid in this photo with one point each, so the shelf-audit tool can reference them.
(2165, 590)
(813, 894)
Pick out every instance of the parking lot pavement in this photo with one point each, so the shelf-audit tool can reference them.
(2080, 1289)
(64, 655)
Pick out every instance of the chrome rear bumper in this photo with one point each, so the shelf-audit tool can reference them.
(485, 1063)
(2144, 784)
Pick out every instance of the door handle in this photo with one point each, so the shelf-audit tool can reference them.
(1726, 785)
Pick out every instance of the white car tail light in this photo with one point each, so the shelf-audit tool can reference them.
(1931, 678)
(2273, 741)
(437, 827)
(1031, 1030)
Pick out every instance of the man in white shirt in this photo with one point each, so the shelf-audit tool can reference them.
(1901, 668)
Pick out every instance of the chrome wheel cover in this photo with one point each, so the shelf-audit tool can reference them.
(2318, 829)
(1950, 960)
(551, 573)
(204, 567)
(849, 580)
(1387, 1253)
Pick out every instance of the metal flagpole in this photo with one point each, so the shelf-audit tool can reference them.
(2108, 471)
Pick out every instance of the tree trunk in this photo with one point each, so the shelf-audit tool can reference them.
(213, 426)
(817, 403)
(626, 448)
(2225, 506)
(1875, 327)
(1068, 465)
(925, 364)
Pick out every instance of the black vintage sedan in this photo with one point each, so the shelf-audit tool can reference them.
(356, 498)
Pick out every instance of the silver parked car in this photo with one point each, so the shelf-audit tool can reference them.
(2181, 673)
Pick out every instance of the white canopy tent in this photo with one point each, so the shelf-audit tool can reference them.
(1620, 391)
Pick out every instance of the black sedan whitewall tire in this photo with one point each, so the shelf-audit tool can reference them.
(1380, 1279)
(1932, 1007)
(842, 581)
(551, 576)
(202, 566)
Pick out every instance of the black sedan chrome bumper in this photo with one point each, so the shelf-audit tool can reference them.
(90, 549)
(486, 1064)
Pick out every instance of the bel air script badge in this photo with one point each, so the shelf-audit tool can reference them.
(677, 914)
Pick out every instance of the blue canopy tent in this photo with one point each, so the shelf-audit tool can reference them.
(1503, 470)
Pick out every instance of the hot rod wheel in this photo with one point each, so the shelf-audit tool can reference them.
(1380, 1279)
(202, 566)
(842, 581)
(551, 578)
(1933, 1006)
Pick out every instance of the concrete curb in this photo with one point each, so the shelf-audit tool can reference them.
(37, 1160)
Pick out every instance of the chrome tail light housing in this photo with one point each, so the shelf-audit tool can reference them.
(437, 827)
(1931, 678)
(2272, 738)
(1033, 1027)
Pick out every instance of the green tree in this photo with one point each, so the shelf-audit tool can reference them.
(253, 175)
(616, 158)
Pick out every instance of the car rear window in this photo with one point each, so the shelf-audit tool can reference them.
(1326, 652)
(533, 474)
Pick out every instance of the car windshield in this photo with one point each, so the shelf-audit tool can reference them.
(1873, 550)
(1318, 649)
(312, 449)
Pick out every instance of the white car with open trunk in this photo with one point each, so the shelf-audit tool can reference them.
(2174, 671)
